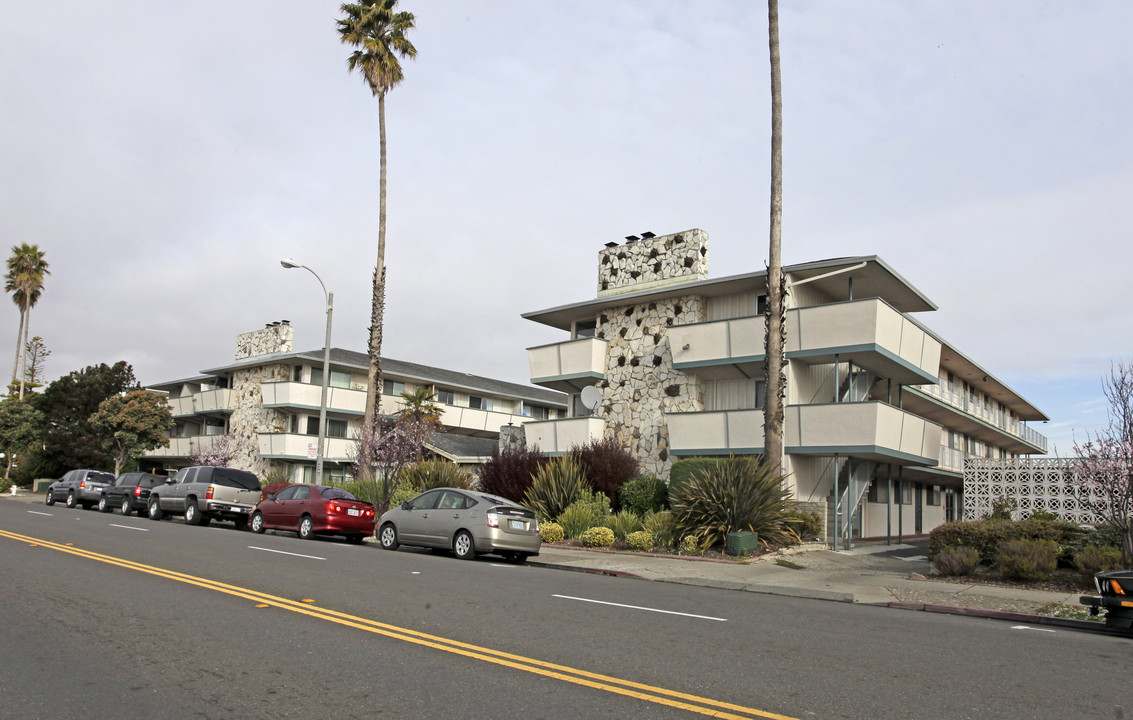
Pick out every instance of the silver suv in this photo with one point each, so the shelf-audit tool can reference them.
(79, 487)
(204, 492)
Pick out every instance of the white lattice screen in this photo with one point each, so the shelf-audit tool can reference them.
(1036, 484)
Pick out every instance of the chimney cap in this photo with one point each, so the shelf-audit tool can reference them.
(647, 234)
(631, 238)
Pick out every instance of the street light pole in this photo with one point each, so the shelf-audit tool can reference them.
(289, 264)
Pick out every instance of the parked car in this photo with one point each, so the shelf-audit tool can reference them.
(79, 487)
(464, 521)
(204, 492)
(129, 493)
(1115, 596)
(311, 510)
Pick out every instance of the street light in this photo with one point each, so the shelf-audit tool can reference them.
(289, 264)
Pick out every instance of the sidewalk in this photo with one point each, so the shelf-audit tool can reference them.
(886, 575)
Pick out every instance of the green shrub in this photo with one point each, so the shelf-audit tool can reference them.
(661, 527)
(557, 485)
(640, 541)
(1027, 559)
(1092, 559)
(429, 474)
(576, 519)
(987, 536)
(739, 493)
(1003, 508)
(598, 537)
(956, 561)
(644, 493)
(623, 523)
(403, 494)
(606, 465)
(510, 471)
(5, 485)
(1043, 515)
(806, 525)
(551, 532)
(690, 545)
(682, 470)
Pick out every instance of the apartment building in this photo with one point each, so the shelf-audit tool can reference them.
(880, 411)
(269, 396)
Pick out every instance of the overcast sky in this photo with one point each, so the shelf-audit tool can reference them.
(167, 155)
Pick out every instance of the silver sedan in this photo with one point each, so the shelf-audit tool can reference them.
(464, 521)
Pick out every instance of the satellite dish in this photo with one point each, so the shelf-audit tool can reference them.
(591, 398)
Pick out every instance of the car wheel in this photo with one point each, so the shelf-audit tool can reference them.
(258, 523)
(126, 508)
(154, 509)
(354, 539)
(192, 513)
(50, 499)
(103, 505)
(463, 546)
(306, 528)
(72, 501)
(387, 537)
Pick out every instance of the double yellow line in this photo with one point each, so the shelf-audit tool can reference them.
(648, 693)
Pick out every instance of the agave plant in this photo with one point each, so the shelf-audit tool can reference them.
(429, 474)
(739, 493)
(556, 486)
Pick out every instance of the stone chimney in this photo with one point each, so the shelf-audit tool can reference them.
(648, 262)
(273, 338)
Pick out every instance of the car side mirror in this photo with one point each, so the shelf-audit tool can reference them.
(405, 505)
(168, 481)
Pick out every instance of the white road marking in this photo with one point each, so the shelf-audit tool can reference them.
(310, 557)
(128, 527)
(911, 558)
(638, 607)
(36, 512)
(1028, 627)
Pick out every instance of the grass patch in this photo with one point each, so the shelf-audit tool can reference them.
(784, 562)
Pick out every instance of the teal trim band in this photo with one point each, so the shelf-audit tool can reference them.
(315, 408)
(968, 416)
(697, 452)
(867, 348)
(572, 376)
(861, 450)
(717, 363)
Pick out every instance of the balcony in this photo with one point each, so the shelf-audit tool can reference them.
(956, 410)
(306, 396)
(870, 333)
(292, 446)
(183, 447)
(715, 432)
(216, 401)
(568, 366)
(556, 437)
(720, 350)
(871, 430)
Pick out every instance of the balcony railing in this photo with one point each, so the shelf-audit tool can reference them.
(715, 432)
(555, 437)
(215, 401)
(568, 366)
(865, 429)
(996, 418)
(292, 446)
(306, 396)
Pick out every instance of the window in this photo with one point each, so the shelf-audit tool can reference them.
(932, 495)
(286, 493)
(760, 394)
(392, 387)
(585, 329)
(336, 428)
(878, 490)
(312, 425)
(337, 379)
(444, 397)
(307, 474)
(537, 412)
(425, 502)
(479, 403)
(302, 492)
(297, 376)
(760, 304)
(906, 493)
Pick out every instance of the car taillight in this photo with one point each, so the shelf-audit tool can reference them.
(332, 506)
(208, 493)
(137, 490)
(493, 519)
(369, 513)
(82, 484)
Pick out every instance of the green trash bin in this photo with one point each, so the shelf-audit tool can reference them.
(744, 542)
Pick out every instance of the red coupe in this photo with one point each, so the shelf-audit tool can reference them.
(311, 510)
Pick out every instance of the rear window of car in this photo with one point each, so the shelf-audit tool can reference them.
(100, 477)
(235, 478)
(330, 493)
(148, 481)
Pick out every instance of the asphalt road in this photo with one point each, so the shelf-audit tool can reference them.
(112, 617)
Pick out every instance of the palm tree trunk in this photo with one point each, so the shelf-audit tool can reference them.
(377, 307)
(776, 328)
(24, 352)
(16, 362)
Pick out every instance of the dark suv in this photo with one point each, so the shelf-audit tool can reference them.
(129, 493)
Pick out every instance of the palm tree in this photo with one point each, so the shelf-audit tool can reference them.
(379, 36)
(420, 404)
(776, 325)
(26, 272)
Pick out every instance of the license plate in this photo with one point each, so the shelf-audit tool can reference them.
(517, 524)
(353, 511)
